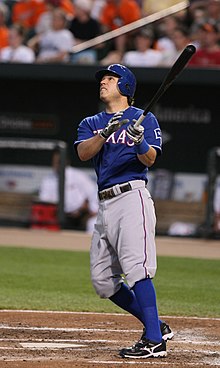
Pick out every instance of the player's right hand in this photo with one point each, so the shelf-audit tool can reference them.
(136, 134)
(113, 125)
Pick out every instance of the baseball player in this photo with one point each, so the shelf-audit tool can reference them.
(123, 241)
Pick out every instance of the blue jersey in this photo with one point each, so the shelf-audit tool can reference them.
(117, 161)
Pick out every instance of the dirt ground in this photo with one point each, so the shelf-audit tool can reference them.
(54, 340)
(41, 339)
(78, 240)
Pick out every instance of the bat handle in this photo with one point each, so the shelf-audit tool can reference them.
(139, 121)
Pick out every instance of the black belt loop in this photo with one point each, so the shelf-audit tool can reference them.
(109, 193)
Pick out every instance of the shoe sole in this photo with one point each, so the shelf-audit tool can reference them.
(161, 354)
(168, 336)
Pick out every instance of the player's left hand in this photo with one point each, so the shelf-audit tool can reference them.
(113, 125)
(136, 134)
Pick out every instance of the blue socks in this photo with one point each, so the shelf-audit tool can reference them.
(141, 303)
(146, 298)
(126, 299)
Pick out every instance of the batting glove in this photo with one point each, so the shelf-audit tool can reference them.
(136, 134)
(113, 125)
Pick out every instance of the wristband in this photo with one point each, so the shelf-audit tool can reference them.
(101, 134)
(143, 147)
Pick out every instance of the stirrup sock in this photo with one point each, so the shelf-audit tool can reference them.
(146, 298)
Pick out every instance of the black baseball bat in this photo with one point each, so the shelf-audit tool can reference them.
(176, 69)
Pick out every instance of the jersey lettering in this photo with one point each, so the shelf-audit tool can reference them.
(122, 136)
(111, 138)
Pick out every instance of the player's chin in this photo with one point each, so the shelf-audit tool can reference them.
(102, 92)
(103, 97)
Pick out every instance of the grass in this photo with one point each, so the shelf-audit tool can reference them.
(60, 280)
(188, 286)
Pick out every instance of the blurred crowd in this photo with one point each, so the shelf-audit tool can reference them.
(46, 31)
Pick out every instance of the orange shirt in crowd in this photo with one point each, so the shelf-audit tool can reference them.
(3, 36)
(26, 12)
(116, 15)
(66, 5)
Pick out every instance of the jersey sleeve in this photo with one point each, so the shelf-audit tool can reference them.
(84, 131)
(152, 132)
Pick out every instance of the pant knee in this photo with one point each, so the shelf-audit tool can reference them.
(105, 288)
(138, 273)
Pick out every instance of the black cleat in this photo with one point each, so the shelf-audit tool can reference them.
(145, 349)
(167, 333)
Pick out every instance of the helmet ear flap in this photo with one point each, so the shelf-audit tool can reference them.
(127, 87)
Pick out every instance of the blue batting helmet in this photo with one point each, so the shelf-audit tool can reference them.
(126, 82)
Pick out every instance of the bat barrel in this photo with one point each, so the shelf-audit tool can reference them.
(180, 63)
(178, 66)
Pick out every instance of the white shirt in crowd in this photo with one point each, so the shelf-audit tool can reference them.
(78, 188)
(21, 54)
(97, 8)
(44, 22)
(138, 59)
(53, 42)
(216, 203)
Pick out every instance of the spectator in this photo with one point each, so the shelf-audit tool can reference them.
(208, 53)
(97, 6)
(44, 22)
(216, 207)
(54, 45)
(4, 32)
(204, 12)
(196, 12)
(113, 57)
(26, 13)
(143, 55)
(117, 13)
(17, 52)
(80, 195)
(165, 29)
(213, 12)
(181, 39)
(68, 8)
(152, 6)
(83, 28)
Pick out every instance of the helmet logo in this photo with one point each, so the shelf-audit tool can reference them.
(127, 86)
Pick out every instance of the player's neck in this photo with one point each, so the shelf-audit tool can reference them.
(116, 106)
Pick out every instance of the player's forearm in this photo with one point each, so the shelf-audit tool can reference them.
(149, 157)
(89, 148)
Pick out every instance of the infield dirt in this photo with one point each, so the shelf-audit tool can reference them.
(52, 339)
